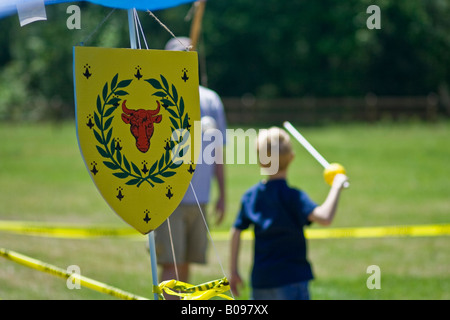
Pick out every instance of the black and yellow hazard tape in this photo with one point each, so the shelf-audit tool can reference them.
(66, 231)
(204, 291)
(53, 270)
(186, 291)
(362, 232)
(80, 232)
(381, 232)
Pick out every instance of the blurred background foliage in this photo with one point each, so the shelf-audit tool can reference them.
(267, 49)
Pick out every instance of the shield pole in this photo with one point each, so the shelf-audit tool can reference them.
(151, 235)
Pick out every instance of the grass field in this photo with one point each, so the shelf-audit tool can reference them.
(399, 176)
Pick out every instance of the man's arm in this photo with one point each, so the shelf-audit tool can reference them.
(235, 279)
(219, 169)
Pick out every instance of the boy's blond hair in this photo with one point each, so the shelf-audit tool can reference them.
(275, 140)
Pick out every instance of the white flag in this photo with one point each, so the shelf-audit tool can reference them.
(30, 11)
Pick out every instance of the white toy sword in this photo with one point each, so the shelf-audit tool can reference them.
(297, 135)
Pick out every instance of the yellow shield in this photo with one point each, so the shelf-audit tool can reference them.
(135, 114)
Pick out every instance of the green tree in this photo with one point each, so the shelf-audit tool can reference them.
(294, 48)
(267, 48)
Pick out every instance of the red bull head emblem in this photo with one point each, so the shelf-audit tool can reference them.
(141, 124)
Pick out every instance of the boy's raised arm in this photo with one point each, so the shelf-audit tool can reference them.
(324, 213)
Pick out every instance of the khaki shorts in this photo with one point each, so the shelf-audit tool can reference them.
(188, 235)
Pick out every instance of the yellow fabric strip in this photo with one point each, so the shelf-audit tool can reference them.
(186, 291)
(80, 232)
(361, 232)
(86, 282)
(66, 231)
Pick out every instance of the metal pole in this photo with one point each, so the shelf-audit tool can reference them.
(132, 29)
(151, 245)
(151, 235)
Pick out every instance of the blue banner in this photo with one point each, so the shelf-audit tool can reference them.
(9, 7)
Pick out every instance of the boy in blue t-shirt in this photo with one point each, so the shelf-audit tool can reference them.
(278, 213)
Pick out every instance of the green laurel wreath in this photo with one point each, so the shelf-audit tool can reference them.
(108, 102)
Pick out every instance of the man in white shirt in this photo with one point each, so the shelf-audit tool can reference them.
(187, 227)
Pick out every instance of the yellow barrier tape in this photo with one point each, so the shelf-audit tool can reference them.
(53, 270)
(360, 232)
(80, 232)
(380, 232)
(66, 231)
(204, 291)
